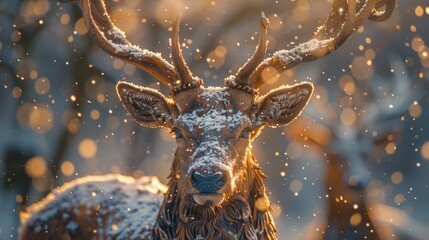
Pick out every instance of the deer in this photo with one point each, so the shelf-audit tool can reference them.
(349, 151)
(216, 187)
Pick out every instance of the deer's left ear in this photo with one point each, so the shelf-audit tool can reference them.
(147, 106)
(282, 105)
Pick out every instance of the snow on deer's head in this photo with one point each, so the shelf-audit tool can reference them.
(214, 127)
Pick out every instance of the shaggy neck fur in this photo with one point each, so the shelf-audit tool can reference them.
(243, 215)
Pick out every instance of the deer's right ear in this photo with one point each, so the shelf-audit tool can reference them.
(147, 106)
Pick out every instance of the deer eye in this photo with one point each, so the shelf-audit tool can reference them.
(176, 133)
(245, 133)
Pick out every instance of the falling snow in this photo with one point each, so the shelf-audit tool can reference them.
(366, 124)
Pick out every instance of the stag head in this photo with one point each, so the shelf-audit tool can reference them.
(214, 127)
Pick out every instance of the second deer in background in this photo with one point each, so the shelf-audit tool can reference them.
(350, 143)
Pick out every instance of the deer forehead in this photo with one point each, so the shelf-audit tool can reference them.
(213, 111)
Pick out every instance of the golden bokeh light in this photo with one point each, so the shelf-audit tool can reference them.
(125, 19)
(425, 150)
(355, 219)
(417, 44)
(215, 59)
(42, 85)
(65, 19)
(67, 168)
(118, 64)
(370, 54)
(399, 199)
(19, 198)
(95, 114)
(347, 84)
(115, 227)
(262, 204)
(87, 148)
(276, 210)
(415, 110)
(166, 10)
(101, 98)
(34, 9)
(349, 88)
(36, 167)
(368, 40)
(360, 68)
(35, 116)
(80, 27)
(390, 148)
(275, 22)
(221, 51)
(34, 74)
(348, 116)
(301, 12)
(419, 11)
(16, 92)
(73, 125)
(41, 119)
(295, 186)
(129, 69)
(397, 177)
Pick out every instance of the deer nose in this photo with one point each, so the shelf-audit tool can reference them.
(208, 183)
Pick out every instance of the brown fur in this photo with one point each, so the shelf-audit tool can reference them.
(237, 218)
(179, 217)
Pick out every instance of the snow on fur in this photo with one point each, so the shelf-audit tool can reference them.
(123, 207)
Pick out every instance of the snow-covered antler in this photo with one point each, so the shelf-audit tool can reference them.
(113, 40)
(345, 17)
(215, 189)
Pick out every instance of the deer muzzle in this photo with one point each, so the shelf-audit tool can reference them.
(209, 187)
(206, 199)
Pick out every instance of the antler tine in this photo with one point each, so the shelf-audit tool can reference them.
(329, 37)
(241, 78)
(378, 16)
(186, 79)
(113, 41)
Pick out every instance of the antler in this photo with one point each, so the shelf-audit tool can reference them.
(185, 80)
(112, 40)
(381, 15)
(239, 81)
(342, 22)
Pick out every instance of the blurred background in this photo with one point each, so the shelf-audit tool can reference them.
(60, 118)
